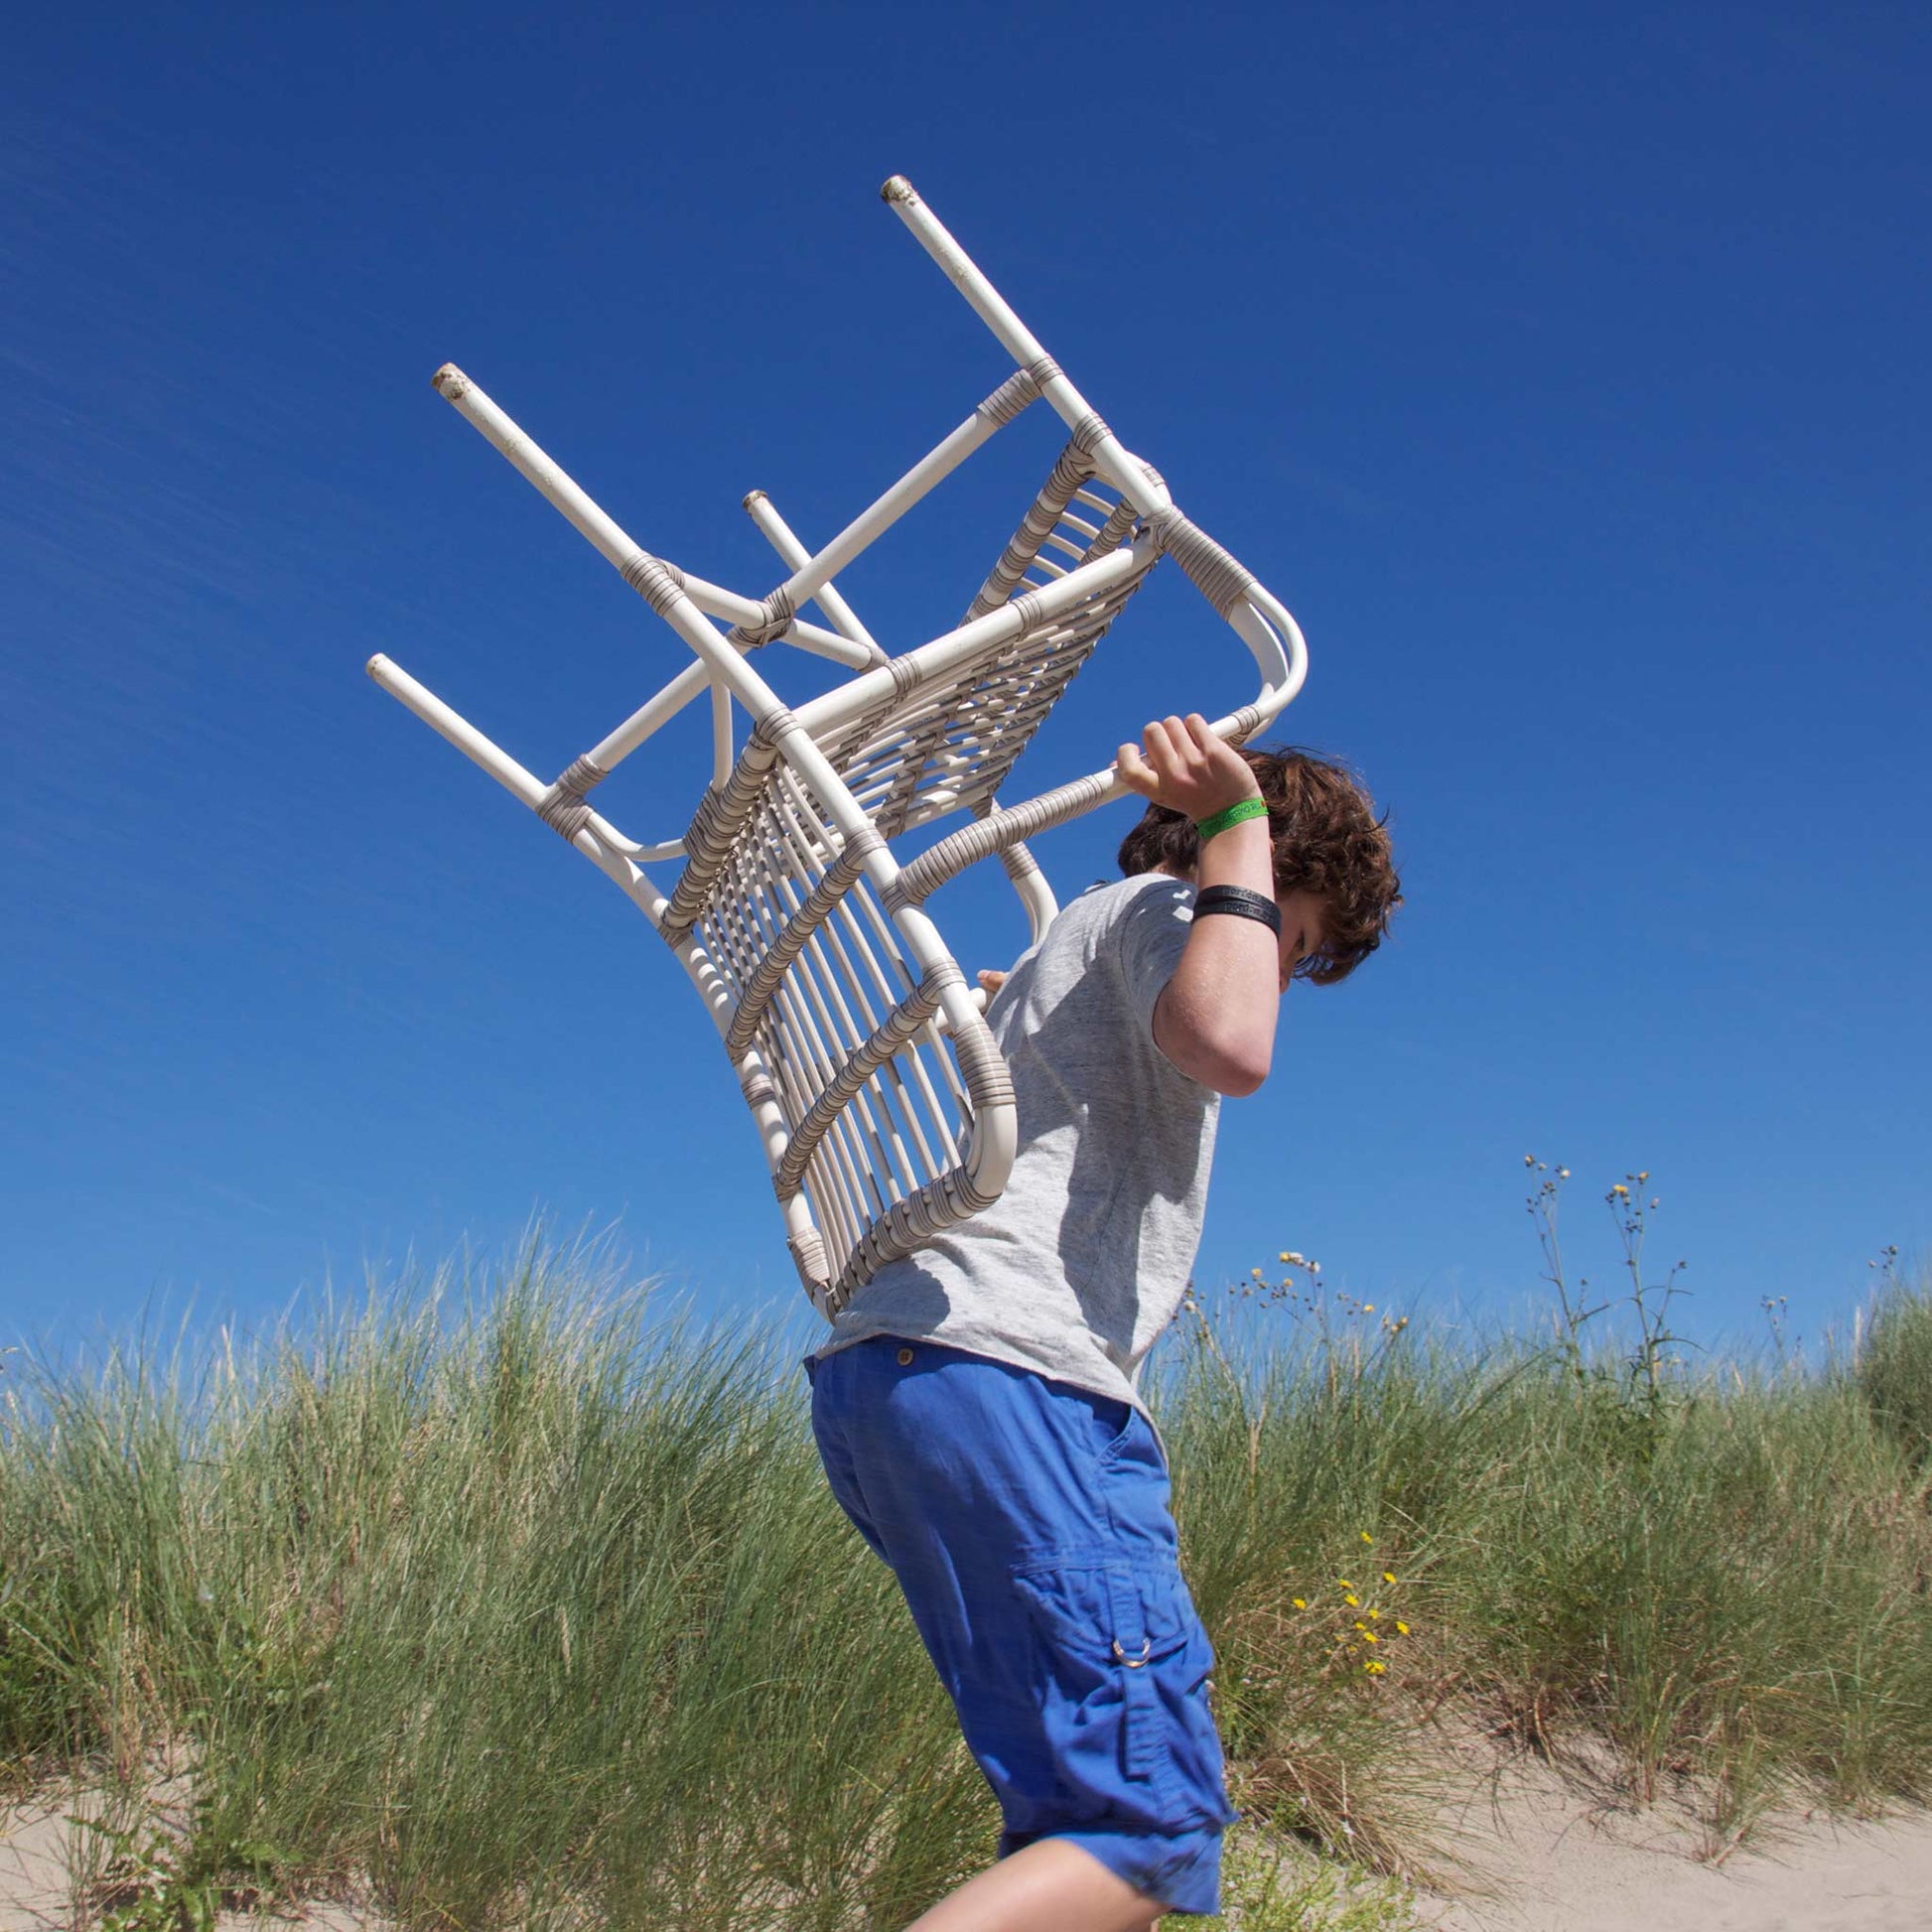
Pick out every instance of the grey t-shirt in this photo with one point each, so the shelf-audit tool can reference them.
(1083, 1262)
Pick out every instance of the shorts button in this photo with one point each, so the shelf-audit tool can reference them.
(905, 1358)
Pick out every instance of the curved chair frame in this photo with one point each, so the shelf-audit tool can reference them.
(882, 1102)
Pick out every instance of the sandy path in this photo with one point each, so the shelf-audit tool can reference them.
(33, 1870)
(36, 1895)
(1555, 1861)
(1552, 1862)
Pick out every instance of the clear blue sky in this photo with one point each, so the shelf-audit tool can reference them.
(1565, 370)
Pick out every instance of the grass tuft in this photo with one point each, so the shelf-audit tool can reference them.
(1894, 1363)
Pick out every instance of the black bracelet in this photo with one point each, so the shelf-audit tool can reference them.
(1241, 902)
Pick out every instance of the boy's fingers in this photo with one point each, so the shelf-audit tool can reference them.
(1174, 751)
(1217, 754)
(1132, 769)
(1214, 750)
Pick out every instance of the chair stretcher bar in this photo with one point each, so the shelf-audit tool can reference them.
(1146, 492)
(782, 537)
(925, 476)
(597, 839)
(603, 532)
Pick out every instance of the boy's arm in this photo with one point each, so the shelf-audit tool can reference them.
(1215, 1018)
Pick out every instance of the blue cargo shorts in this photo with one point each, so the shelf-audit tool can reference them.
(1028, 1523)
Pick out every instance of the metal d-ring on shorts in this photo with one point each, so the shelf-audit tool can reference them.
(1028, 1523)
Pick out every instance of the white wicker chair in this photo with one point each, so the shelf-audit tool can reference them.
(882, 1103)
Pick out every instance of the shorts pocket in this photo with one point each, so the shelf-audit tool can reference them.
(1117, 1634)
(1113, 1424)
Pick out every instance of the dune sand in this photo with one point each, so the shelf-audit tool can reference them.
(36, 1891)
(1550, 1854)
(1547, 1855)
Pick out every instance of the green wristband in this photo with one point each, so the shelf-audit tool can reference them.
(1234, 815)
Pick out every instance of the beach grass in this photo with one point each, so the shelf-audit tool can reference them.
(518, 1599)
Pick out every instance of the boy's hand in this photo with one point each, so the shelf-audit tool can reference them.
(1182, 766)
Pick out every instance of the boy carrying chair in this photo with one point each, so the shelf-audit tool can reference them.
(977, 1408)
(995, 1211)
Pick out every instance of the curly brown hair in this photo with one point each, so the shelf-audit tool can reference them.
(1326, 840)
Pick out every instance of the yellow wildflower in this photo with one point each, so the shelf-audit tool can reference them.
(1401, 1627)
(1368, 1636)
(1375, 1616)
(1367, 1538)
(1375, 1666)
(1301, 1602)
(1354, 1601)
(1619, 1189)
(1343, 1582)
(1388, 1576)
